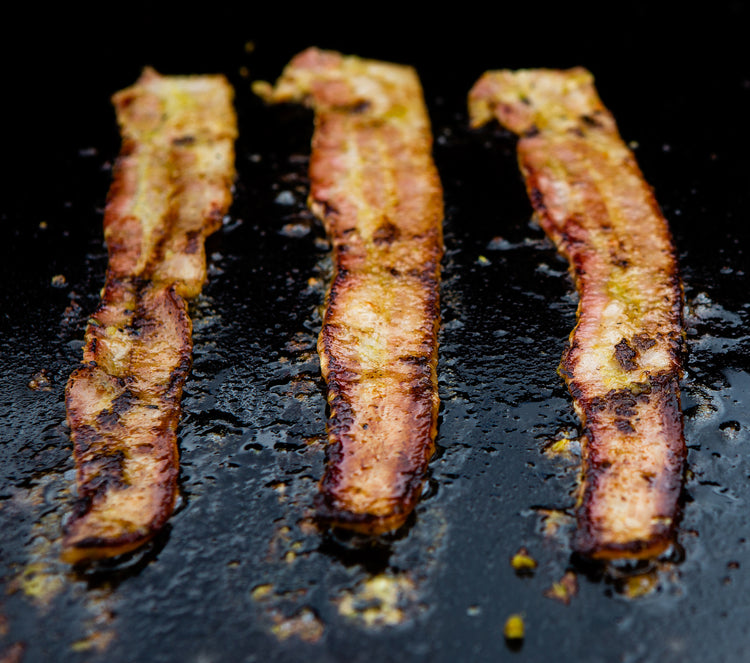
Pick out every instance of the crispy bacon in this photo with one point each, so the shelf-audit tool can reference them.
(624, 359)
(375, 187)
(171, 188)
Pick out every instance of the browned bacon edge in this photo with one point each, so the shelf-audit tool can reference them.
(375, 187)
(171, 188)
(624, 359)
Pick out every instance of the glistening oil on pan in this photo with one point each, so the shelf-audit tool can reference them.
(244, 572)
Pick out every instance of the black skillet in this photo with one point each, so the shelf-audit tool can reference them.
(240, 574)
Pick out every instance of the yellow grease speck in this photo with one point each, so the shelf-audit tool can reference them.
(514, 628)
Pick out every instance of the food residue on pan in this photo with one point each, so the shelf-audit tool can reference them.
(381, 600)
(262, 591)
(555, 522)
(45, 580)
(639, 585)
(515, 628)
(98, 641)
(566, 446)
(285, 545)
(523, 563)
(40, 583)
(41, 381)
(303, 624)
(287, 616)
(564, 589)
(43, 577)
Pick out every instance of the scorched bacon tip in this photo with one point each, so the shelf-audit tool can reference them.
(171, 188)
(376, 189)
(624, 359)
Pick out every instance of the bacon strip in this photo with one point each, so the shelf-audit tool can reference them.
(171, 189)
(623, 363)
(375, 187)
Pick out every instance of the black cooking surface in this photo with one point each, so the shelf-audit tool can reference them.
(241, 573)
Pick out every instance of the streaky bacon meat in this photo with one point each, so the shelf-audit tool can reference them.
(171, 188)
(376, 189)
(623, 362)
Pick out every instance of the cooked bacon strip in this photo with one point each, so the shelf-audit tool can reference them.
(623, 363)
(171, 188)
(375, 187)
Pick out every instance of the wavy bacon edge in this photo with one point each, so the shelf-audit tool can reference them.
(171, 188)
(375, 187)
(623, 362)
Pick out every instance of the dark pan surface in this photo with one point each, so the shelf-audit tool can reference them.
(241, 574)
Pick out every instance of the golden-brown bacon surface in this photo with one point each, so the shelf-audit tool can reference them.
(171, 188)
(623, 363)
(375, 187)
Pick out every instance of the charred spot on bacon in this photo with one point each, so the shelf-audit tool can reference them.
(624, 359)
(171, 188)
(376, 189)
